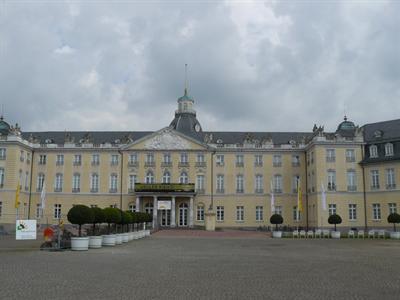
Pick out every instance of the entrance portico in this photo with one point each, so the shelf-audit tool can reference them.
(166, 198)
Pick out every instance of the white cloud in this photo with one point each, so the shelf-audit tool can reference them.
(64, 50)
(90, 79)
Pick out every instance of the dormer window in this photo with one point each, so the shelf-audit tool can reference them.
(389, 149)
(378, 134)
(373, 151)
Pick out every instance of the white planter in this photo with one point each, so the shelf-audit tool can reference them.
(118, 239)
(80, 243)
(277, 234)
(130, 236)
(335, 234)
(109, 240)
(395, 235)
(136, 235)
(147, 232)
(95, 242)
(125, 237)
(142, 234)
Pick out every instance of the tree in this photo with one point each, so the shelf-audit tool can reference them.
(99, 217)
(394, 218)
(126, 218)
(79, 215)
(276, 219)
(112, 216)
(334, 219)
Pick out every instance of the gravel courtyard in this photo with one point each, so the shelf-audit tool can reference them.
(179, 266)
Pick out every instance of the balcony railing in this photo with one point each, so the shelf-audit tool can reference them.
(391, 186)
(113, 190)
(94, 190)
(3, 157)
(166, 164)
(239, 164)
(148, 164)
(95, 162)
(200, 191)
(295, 164)
(277, 164)
(201, 164)
(258, 164)
(183, 164)
(330, 159)
(277, 191)
(375, 187)
(133, 164)
(58, 189)
(131, 191)
(259, 191)
(77, 163)
(351, 188)
(76, 190)
(350, 159)
(331, 187)
(239, 191)
(220, 191)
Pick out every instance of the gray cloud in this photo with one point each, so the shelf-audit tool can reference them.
(254, 66)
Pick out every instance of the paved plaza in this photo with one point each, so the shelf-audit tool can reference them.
(181, 265)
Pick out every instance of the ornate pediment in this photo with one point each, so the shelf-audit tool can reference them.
(167, 140)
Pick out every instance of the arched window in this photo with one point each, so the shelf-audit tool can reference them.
(166, 177)
(373, 151)
(183, 178)
(389, 149)
(149, 177)
(58, 184)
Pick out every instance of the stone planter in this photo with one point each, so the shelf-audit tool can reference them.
(80, 243)
(95, 242)
(136, 235)
(335, 234)
(395, 235)
(277, 234)
(118, 239)
(109, 240)
(147, 232)
(130, 236)
(125, 237)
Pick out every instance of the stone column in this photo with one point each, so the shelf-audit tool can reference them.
(173, 224)
(191, 212)
(155, 212)
(137, 203)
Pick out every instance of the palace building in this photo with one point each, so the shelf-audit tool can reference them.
(181, 172)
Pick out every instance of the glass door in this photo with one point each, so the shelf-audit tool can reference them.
(183, 214)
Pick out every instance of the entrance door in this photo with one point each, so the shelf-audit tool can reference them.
(183, 214)
(165, 217)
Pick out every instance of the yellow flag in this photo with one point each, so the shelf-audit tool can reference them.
(17, 196)
(299, 200)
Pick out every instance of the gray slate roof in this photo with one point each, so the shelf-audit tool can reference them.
(390, 130)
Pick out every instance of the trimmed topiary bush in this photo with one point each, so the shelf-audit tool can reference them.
(99, 217)
(126, 219)
(394, 218)
(276, 219)
(79, 215)
(334, 219)
(112, 216)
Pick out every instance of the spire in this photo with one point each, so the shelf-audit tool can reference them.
(185, 79)
(345, 118)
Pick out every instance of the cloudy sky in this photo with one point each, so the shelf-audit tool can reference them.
(253, 65)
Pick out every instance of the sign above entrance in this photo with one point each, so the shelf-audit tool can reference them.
(164, 187)
(163, 204)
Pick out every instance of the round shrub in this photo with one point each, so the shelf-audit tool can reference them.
(79, 215)
(334, 219)
(394, 218)
(276, 219)
(112, 216)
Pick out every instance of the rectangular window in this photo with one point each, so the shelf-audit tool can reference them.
(220, 213)
(150, 159)
(38, 211)
(390, 180)
(277, 184)
(389, 149)
(3, 153)
(352, 212)
(392, 208)
(239, 160)
(167, 159)
(258, 161)
(200, 213)
(239, 183)
(76, 183)
(374, 179)
(200, 183)
(60, 160)
(332, 209)
(295, 180)
(351, 181)
(331, 180)
(184, 158)
(1, 208)
(312, 157)
(113, 183)
(239, 213)
(259, 213)
(259, 184)
(28, 158)
(296, 160)
(220, 184)
(200, 158)
(133, 159)
(42, 159)
(26, 181)
(330, 155)
(219, 160)
(132, 207)
(278, 210)
(376, 211)
(132, 181)
(77, 160)
(58, 183)
(277, 160)
(95, 159)
(2, 175)
(57, 211)
(114, 159)
(22, 156)
(350, 155)
(40, 182)
(373, 151)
